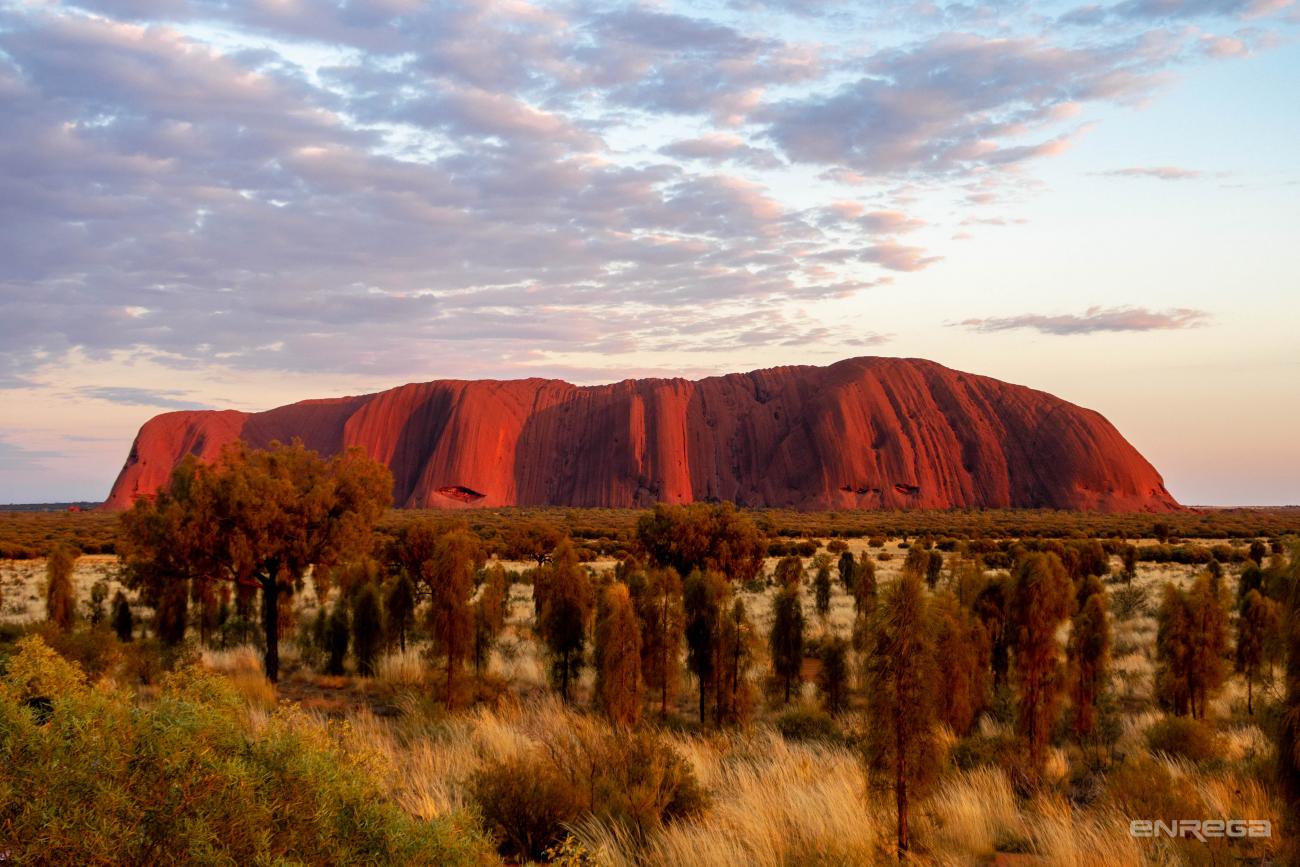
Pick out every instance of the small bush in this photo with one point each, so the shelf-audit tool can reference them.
(807, 724)
(637, 782)
(1142, 786)
(142, 662)
(1128, 601)
(1185, 738)
(95, 650)
(981, 750)
(526, 803)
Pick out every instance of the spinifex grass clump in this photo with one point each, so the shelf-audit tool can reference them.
(92, 776)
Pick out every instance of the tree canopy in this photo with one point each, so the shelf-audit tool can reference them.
(703, 536)
(257, 518)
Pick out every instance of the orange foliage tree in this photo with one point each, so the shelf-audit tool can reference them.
(619, 687)
(567, 606)
(1041, 600)
(900, 688)
(663, 624)
(703, 536)
(1088, 653)
(257, 518)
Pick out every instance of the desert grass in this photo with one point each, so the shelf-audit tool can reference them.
(242, 666)
(400, 669)
(774, 802)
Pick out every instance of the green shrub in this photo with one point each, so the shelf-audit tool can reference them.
(803, 723)
(980, 750)
(94, 777)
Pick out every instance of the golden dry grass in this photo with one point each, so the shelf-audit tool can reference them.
(775, 803)
(243, 668)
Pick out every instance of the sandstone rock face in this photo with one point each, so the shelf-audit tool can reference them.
(873, 433)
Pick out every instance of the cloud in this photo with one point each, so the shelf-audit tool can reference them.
(16, 458)
(1093, 15)
(128, 396)
(960, 102)
(721, 147)
(664, 62)
(854, 214)
(240, 218)
(897, 257)
(1163, 173)
(379, 187)
(1183, 9)
(1095, 319)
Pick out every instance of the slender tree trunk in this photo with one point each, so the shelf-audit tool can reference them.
(1031, 701)
(735, 675)
(451, 656)
(271, 625)
(564, 677)
(1250, 683)
(663, 659)
(722, 707)
(663, 693)
(203, 618)
(703, 686)
(1078, 705)
(900, 784)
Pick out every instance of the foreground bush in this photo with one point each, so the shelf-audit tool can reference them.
(634, 781)
(1185, 738)
(91, 776)
(803, 723)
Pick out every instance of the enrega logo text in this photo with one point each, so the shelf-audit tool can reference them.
(1201, 829)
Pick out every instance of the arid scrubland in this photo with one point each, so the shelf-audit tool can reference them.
(765, 798)
(268, 676)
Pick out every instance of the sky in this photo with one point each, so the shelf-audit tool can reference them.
(238, 205)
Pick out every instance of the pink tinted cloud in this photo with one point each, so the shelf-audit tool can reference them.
(1162, 173)
(1093, 320)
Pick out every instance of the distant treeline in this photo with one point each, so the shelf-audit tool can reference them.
(48, 507)
(608, 532)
